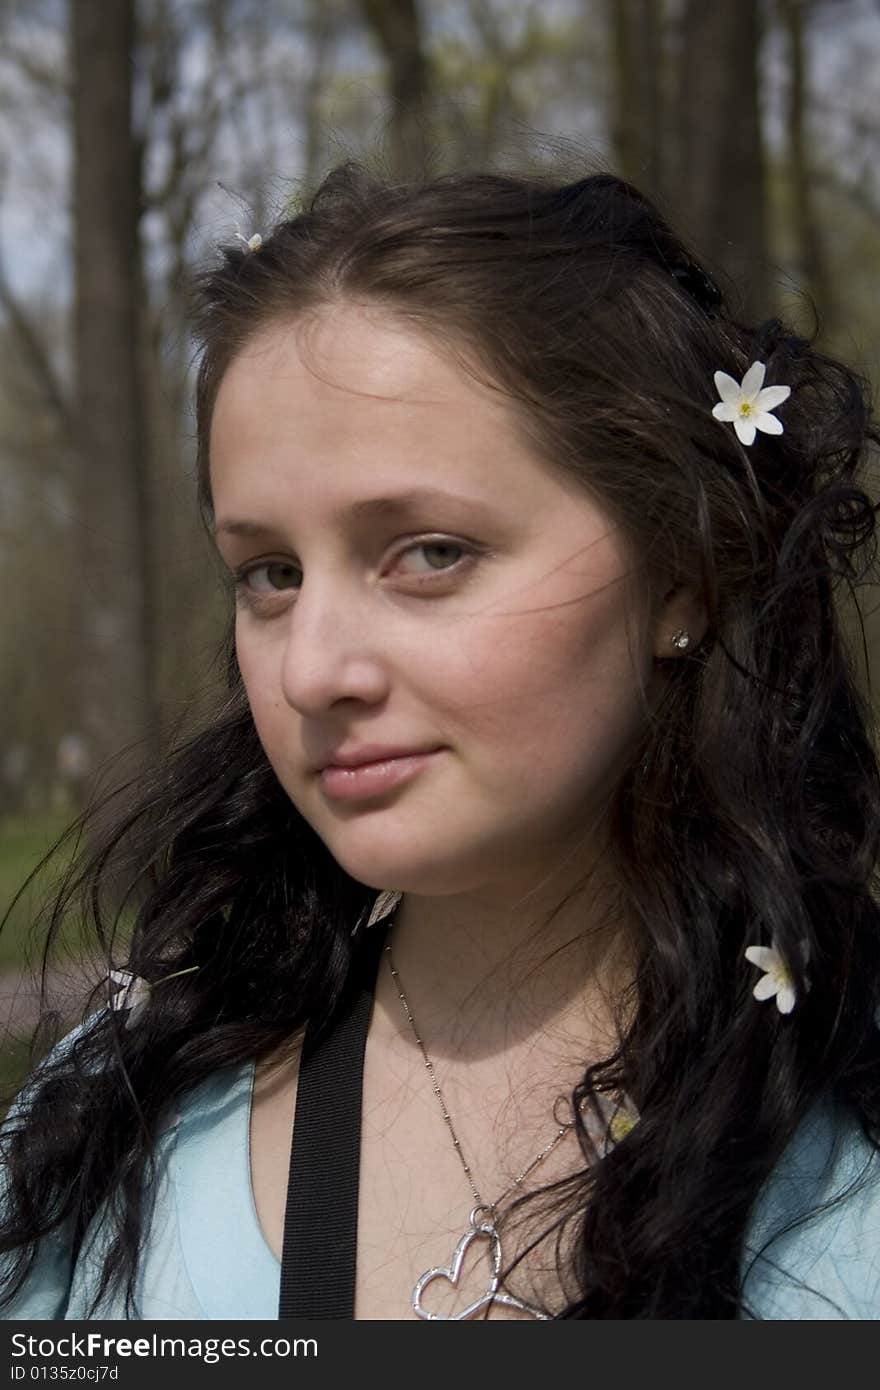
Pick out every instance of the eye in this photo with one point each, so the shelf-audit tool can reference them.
(441, 545)
(256, 584)
(277, 574)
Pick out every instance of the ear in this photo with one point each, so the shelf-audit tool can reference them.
(683, 609)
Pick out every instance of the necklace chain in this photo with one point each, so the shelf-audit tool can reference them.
(481, 1205)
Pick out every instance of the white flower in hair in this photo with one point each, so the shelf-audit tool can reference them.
(747, 405)
(133, 994)
(618, 1115)
(253, 243)
(777, 978)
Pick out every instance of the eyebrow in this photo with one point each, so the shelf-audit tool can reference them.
(401, 505)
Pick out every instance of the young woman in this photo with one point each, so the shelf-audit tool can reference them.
(526, 874)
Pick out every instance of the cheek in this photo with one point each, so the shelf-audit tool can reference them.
(253, 670)
(550, 697)
(258, 666)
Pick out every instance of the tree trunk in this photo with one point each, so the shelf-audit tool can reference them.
(720, 201)
(808, 243)
(118, 696)
(637, 85)
(396, 28)
(319, 26)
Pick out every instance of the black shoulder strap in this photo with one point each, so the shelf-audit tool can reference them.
(319, 1253)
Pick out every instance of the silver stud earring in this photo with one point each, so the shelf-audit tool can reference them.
(681, 639)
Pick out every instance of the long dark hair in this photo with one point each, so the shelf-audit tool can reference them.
(749, 811)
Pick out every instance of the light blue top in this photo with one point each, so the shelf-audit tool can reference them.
(206, 1256)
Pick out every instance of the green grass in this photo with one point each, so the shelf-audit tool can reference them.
(14, 1066)
(23, 842)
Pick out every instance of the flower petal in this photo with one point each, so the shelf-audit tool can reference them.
(763, 956)
(785, 999)
(725, 410)
(138, 994)
(771, 397)
(745, 430)
(768, 424)
(728, 389)
(753, 380)
(766, 987)
(133, 992)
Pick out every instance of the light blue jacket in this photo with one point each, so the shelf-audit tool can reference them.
(206, 1256)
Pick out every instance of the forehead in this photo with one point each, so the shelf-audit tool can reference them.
(352, 360)
(352, 400)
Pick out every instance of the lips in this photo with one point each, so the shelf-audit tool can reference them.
(369, 753)
(376, 779)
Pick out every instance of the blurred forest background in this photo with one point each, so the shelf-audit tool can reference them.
(137, 136)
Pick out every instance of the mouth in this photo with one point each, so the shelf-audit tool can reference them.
(375, 778)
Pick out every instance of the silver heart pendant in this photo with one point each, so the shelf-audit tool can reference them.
(450, 1273)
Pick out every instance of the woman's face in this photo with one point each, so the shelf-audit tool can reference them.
(484, 617)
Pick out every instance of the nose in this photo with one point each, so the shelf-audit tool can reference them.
(333, 651)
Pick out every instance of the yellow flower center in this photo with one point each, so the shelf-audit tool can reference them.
(620, 1126)
(745, 408)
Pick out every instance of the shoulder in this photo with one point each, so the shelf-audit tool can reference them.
(813, 1247)
(45, 1292)
(200, 1247)
(194, 1261)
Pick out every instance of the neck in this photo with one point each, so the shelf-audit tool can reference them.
(492, 976)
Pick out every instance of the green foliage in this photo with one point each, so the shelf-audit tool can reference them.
(14, 1067)
(23, 842)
